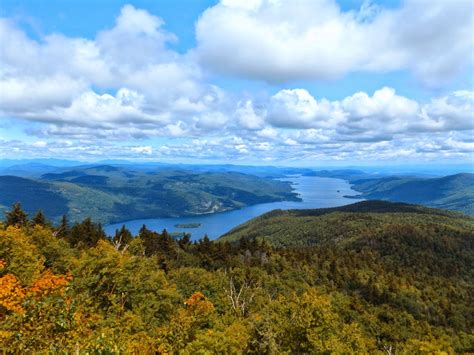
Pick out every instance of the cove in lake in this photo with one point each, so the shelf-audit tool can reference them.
(316, 192)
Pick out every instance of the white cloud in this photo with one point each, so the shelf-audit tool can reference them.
(148, 150)
(62, 80)
(298, 108)
(451, 112)
(94, 110)
(370, 118)
(85, 97)
(285, 40)
(247, 117)
(40, 144)
(30, 94)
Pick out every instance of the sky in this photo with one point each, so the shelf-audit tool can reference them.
(272, 82)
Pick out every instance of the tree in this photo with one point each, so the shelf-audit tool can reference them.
(166, 244)
(16, 217)
(39, 219)
(205, 245)
(185, 241)
(86, 233)
(122, 237)
(63, 230)
(150, 240)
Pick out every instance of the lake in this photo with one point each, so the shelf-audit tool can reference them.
(316, 192)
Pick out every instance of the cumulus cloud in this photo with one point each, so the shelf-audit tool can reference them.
(451, 112)
(247, 116)
(20, 95)
(370, 118)
(126, 76)
(297, 108)
(97, 97)
(281, 41)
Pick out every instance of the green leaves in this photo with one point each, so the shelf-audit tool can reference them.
(373, 283)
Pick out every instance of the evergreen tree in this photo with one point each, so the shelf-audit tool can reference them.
(244, 244)
(205, 245)
(185, 241)
(63, 229)
(166, 244)
(149, 239)
(16, 217)
(86, 233)
(39, 219)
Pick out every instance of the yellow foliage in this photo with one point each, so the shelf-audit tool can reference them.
(184, 325)
(20, 255)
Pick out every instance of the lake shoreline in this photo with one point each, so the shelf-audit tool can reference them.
(313, 192)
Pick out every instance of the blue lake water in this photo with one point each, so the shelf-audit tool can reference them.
(316, 192)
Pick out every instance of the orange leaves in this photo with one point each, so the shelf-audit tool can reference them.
(195, 298)
(199, 305)
(49, 283)
(12, 293)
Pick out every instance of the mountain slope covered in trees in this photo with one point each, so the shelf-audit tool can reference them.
(338, 225)
(374, 277)
(453, 192)
(112, 194)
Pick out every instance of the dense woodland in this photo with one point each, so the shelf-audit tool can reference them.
(392, 286)
(111, 194)
(453, 192)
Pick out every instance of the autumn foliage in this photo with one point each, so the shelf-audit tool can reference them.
(12, 295)
(49, 283)
(154, 294)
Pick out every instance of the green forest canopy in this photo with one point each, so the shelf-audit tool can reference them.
(367, 282)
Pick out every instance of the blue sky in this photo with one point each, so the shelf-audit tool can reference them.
(297, 82)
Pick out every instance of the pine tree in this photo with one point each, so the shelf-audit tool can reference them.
(16, 217)
(86, 233)
(149, 239)
(63, 229)
(39, 219)
(166, 244)
(205, 245)
(185, 241)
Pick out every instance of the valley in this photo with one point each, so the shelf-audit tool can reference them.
(113, 194)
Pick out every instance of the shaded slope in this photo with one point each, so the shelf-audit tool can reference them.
(33, 195)
(454, 192)
(112, 194)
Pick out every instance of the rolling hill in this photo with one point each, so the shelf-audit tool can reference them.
(453, 192)
(345, 225)
(112, 194)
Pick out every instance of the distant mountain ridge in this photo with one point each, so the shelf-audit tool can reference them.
(453, 192)
(114, 194)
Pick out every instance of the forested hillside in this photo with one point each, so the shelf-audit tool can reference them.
(343, 224)
(453, 192)
(373, 277)
(113, 194)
